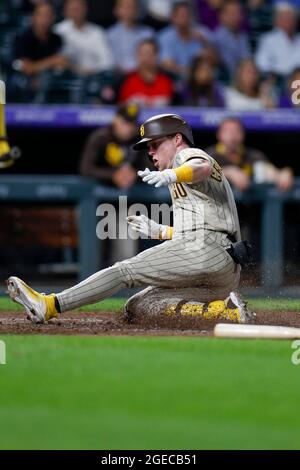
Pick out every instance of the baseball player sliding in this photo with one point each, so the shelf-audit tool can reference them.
(191, 272)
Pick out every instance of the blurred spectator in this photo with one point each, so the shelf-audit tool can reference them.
(279, 50)
(39, 49)
(24, 6)
(101, 12)
(231, 42)
(248, 94)
(85, 43)
(295, 3)
(108, 155)
(109, 158)
(181, 42)
(147, 86)
(202, 88)
(158, 13)
(126, 34)
(291, 96)
(208, 12)
(242, 165)
(259, 15)
(29, 5)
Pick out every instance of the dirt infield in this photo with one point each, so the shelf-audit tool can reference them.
(113, 324)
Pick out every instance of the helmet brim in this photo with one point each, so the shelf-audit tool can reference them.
(142, 144)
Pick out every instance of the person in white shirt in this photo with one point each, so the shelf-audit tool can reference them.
(86, 44)
(158, 13)
(279, 50)
(248, 93)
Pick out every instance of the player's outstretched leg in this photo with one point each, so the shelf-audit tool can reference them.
(40, 308)
(187, 302)
(162, 266)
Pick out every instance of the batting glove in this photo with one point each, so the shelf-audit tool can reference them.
(149, 228)
(158, 178)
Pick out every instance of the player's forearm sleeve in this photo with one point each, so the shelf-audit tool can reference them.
(184, 174)
(190, 171)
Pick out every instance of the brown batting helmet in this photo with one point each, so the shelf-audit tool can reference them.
(163, 125)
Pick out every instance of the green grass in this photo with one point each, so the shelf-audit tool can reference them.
(107, 305)
(148, 393)
(287, 305)
(117, 303)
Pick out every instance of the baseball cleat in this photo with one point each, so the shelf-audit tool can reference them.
(38, 307)
(244, 314)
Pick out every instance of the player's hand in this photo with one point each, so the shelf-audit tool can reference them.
(158, 178)
(141, 224)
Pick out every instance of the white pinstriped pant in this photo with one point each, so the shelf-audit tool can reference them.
(179, 264)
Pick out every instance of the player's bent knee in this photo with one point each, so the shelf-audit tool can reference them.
(150, 303)
(129, 311)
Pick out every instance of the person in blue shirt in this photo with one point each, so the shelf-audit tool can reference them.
(125, 35)
(181, 42)
(231, 42)
(295, 3)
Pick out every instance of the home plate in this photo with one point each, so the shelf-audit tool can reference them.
(227, 330)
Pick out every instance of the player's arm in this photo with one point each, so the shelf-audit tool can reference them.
(194, 170)
(141, 224)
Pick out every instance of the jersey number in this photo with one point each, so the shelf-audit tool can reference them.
(217, 172)
(178, 191)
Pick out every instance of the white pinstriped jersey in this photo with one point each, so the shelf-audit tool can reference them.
(207, 205)
(207, 211)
